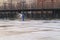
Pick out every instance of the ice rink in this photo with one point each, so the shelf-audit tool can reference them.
(30, 30)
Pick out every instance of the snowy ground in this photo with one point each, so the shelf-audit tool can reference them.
(30, 30)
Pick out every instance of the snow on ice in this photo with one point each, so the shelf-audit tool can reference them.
(30, 30)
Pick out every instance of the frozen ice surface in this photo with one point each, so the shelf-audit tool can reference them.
(30, 30)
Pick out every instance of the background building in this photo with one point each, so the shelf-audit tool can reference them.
(30, 4)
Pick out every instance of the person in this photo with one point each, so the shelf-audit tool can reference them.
(19, 16)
